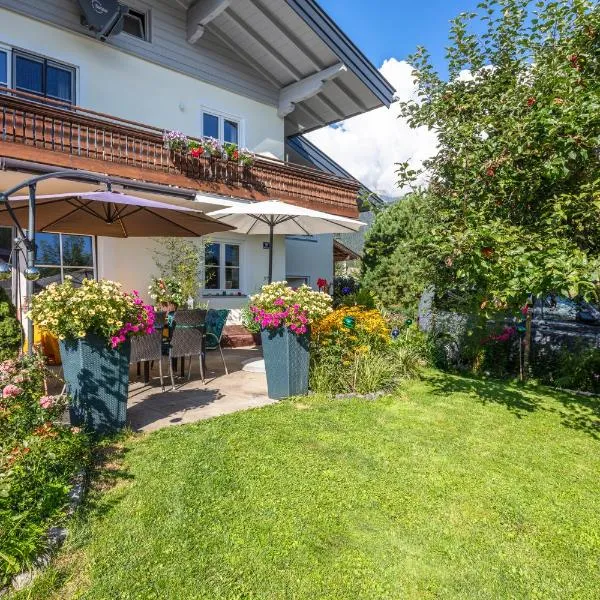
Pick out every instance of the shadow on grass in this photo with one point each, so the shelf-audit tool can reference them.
(576, 411)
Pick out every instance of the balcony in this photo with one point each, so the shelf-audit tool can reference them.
(52, 133)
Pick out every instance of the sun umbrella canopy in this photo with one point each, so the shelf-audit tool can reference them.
(259, 218)
(276, 217)
(113, 214)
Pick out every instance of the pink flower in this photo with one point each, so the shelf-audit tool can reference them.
(47, 402)
(11, 391)
(279, 302)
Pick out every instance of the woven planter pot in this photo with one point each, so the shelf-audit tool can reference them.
(97, 379)
(286, 362)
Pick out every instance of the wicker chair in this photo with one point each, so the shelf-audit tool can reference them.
(148, 348)
(215, 323)
(187, 339)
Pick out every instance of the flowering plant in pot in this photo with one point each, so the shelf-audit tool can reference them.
(176, 141)
(195, 149)
(94, 324)
(232, 151)
(285, 316)
(246, 157)
(212, 147)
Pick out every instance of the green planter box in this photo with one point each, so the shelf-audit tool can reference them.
(97, 379)
(286, 362)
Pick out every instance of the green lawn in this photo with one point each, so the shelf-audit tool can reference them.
(453, 488)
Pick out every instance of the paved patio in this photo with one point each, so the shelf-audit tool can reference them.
(149, 409)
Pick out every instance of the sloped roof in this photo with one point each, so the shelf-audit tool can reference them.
(299, 149)
(288, 42)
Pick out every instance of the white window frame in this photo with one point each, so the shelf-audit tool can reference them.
(70, 267)
(9, 62)
(223, 116)
(242, 269)
(61, 64)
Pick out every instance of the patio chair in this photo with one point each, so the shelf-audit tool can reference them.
(148, 348)
(187, 339)
(215, 323)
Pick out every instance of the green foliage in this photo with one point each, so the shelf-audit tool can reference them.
(395, 263)
(38, 458)
(352, 352)
(10, 328)
(455, 488)
(576, 368)
(514, 189)
(181, 260)
(248, 320)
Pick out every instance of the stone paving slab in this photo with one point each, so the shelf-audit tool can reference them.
(150, 409)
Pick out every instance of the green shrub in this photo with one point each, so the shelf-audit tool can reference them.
(10, 328)
(38, 458)
(359, 356)
(574, 369)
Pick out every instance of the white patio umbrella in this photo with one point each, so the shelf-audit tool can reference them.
(274, 216)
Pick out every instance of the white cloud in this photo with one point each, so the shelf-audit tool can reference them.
(369, 145)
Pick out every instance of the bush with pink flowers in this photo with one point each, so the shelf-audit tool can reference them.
(39, 456)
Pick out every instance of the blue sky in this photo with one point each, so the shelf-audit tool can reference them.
(394, 28)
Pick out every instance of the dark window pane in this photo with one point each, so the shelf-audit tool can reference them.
(134, 24)
(77, 251)
(3, 68)
(230, 131)
(29, 75)
(211, 255)
(48, 275)
(212, 279)
(59, 83)
(232, 255)
(232, 278)
(79, 275)
(48, 249)
(210, 126)
(6, 235)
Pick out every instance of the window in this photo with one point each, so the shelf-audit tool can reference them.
(47, 78)
(6, 240)
(3, 68)
(61, 254)
(135, 23)
(222, 266)
(222, 128)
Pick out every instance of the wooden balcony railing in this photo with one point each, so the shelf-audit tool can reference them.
(53, 133)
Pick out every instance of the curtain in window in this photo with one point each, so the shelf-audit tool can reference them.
(59, 83)
(29, 75)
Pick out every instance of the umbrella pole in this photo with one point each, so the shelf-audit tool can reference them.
(271, 227)
(30, 247)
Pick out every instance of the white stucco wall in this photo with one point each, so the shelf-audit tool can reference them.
(125, 86)
(308, 258)
(131, 262)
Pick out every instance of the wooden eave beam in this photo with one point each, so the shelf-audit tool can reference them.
(306, 88)
(200, 14)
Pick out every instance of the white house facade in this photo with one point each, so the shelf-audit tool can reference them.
(250, 72)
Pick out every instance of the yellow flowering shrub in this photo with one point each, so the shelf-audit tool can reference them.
(354, 327)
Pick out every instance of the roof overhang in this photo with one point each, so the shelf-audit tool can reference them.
(321, 76)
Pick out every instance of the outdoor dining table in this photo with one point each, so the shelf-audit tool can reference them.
(167, 331)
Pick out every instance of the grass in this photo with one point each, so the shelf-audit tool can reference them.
(452, 488)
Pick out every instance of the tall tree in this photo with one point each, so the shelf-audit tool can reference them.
(515, 186)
